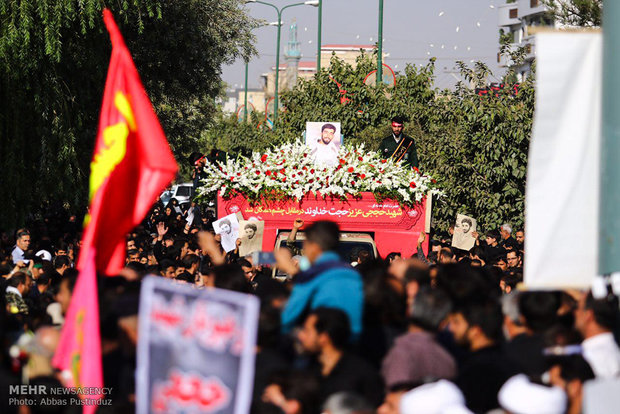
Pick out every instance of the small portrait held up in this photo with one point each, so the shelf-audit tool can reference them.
(463, 237)
(251, 235)
(228, 228)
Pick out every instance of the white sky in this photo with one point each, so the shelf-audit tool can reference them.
(413, 31)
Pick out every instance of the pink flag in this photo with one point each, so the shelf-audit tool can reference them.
(78, 355)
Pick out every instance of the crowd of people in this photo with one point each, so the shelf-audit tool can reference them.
(444, 332)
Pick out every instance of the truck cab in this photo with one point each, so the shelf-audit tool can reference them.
(350, 244)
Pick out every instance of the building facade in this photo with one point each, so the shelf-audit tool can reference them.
(307, 69)
(521, 19)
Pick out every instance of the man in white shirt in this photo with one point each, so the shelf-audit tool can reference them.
(325, 150)
(21, 245)
(595, 319)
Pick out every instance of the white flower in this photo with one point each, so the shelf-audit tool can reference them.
(288, 170)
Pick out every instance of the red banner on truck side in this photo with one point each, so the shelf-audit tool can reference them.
(395, 228)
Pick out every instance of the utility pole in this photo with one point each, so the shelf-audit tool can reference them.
(318, 40)
(380, 54)
(245, 96)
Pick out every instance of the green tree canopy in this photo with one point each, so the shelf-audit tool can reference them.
(475, 146)
(53, 61)
(585, 13)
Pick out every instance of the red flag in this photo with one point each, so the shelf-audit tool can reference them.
(78, 354)
(132, 163)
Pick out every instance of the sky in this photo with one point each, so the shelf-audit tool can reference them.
(413, 32)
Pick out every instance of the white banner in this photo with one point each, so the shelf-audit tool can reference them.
(562, 194)
(196, 349)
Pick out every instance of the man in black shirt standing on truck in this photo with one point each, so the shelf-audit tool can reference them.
(398, 146)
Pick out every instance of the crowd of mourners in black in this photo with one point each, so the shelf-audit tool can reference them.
(447, 332)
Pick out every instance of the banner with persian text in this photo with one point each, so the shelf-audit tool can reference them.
(395, 227)
(195, 349)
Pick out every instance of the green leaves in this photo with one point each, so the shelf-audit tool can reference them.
(54, 56)
(476, 147)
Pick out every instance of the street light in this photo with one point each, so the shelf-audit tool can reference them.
(313, 3)
(380, 55)
(318, 37)
(245, 96)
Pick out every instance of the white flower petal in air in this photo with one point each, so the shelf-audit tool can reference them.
(428, 53)
(432, 45)
(357, 37)
(457, 29)
(478, 24)
(455, 47)
(491, 6)
(441, 13)
(468, 47)
(309, 41)
(371, 39)
(442, 46)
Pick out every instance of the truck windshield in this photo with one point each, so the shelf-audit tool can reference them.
(346, 249)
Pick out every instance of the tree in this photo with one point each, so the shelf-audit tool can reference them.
(53, 60)
(586, 13)
(475, 146)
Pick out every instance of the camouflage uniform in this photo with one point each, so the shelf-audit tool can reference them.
(16, 303)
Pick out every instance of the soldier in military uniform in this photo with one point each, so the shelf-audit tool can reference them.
(398, 146)
(18, 287)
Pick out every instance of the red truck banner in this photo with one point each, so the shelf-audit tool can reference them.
(395, 228)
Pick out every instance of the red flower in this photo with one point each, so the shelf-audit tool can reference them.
(350, 169)
(257, 172)
(342, 161)
(305, 155)
(296, 182)
(412, 184)
(362, 176)
(352, 183)
(311, 180)
(294, 175)
(371, 166)
(360, 158)
(283, 179)
(433, 181)
(267, 172)
(416, 170)
(294, 167)
(239, 174)
(312, 171)
(383, 161)
(263, 158)
(304, 168)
